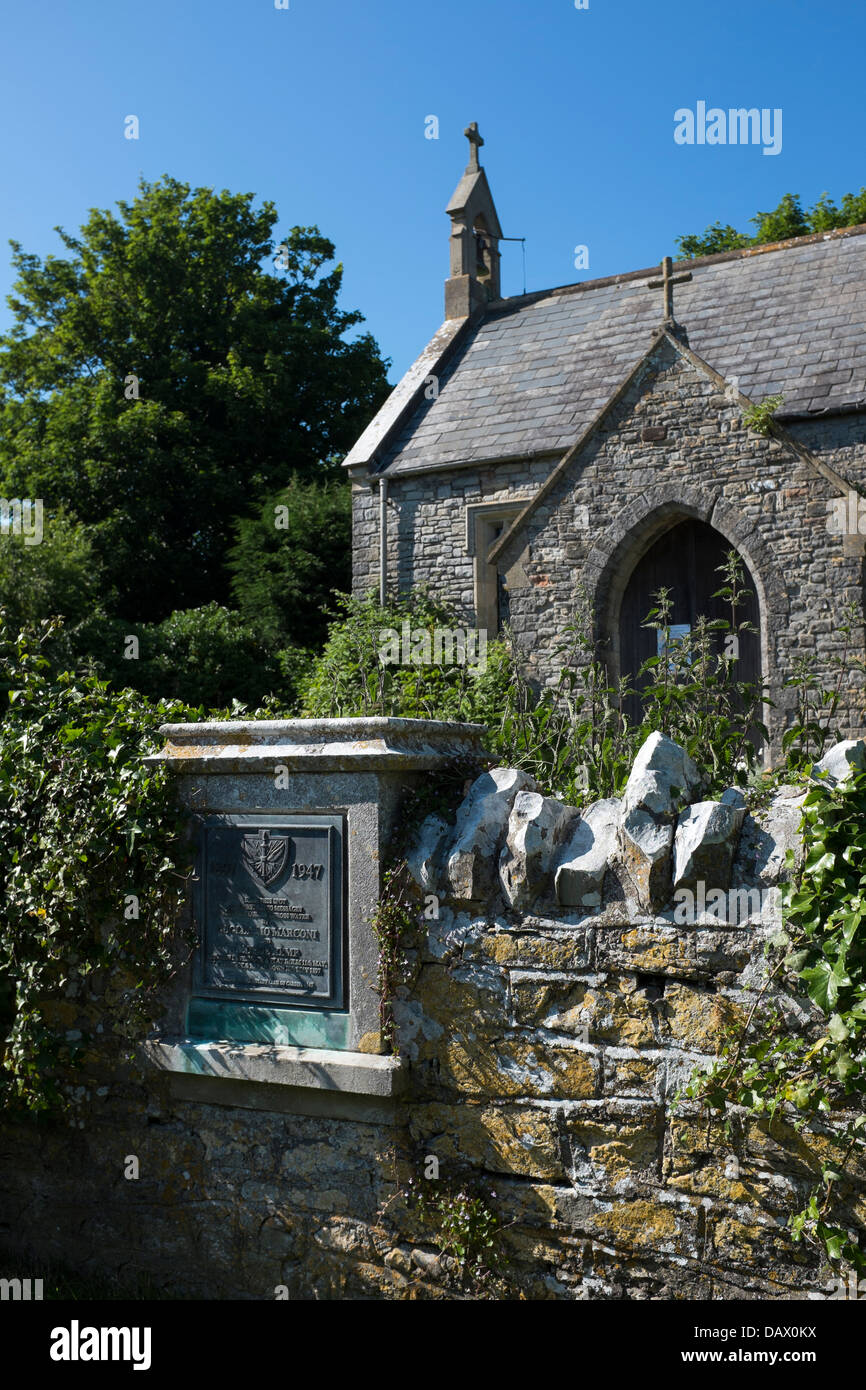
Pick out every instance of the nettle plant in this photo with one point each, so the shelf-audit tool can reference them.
(694, 694)
(576, 739)
(93, 865)
(774, 1074)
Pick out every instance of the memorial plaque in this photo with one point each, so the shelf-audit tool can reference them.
(270, 919)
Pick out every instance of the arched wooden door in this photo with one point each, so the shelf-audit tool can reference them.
(686, 560)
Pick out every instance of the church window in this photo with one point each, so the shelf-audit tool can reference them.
(685, 559)
(485, 522)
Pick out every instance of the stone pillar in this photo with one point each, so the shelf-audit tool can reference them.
(293, 820)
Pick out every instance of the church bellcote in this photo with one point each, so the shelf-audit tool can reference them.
(475, 235)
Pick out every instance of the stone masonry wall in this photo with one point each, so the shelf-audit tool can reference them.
(427, 528)
(553, 1007)
(548, 1045)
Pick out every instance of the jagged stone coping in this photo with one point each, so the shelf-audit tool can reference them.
(511, 846)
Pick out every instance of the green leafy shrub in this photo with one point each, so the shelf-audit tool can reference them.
(59, 577)
(203, 656)
(574, 738)
(352, 678)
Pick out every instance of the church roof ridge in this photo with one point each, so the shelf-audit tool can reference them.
(524, 377)
(719, 258)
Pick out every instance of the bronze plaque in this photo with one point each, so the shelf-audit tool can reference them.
(270, 909)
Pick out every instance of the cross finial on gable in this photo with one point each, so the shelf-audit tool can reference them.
(667, 283)
(475, 143)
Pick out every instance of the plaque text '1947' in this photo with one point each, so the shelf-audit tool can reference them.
(270, 909)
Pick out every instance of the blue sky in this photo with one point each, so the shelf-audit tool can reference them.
(321, 108)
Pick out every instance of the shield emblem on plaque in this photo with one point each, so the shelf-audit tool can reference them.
(265, 855)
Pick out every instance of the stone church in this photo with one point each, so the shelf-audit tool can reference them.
(593, 435)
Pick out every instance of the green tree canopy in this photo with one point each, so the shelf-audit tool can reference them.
(787, 220)
(169, 373)
(289, 558)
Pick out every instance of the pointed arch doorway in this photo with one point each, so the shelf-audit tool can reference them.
(686, 560)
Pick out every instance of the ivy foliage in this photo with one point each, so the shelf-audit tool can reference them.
(92, 867)
(820, 952)
(201, 656)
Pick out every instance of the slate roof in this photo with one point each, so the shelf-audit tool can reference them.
(528, 378)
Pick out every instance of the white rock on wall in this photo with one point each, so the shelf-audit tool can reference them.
(422, 859)
(471, 858)
(536, 828)
(705, 843)
(551, 853)
(663, 778)
(766, 837)
(841, 761)
(583, 864)
(646, 845)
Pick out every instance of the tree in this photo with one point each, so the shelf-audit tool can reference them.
(287, 560)
(207, 656)
(160, 381)
(715, 239)
(785, 221)
(56, 578)
(53, 577)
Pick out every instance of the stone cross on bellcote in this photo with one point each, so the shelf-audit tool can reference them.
(667, 283)
(475, 143)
